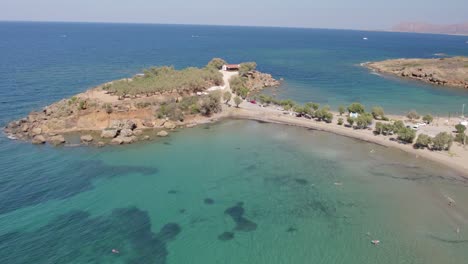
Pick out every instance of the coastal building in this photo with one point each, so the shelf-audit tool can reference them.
(231, 67)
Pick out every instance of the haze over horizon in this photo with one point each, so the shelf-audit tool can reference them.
(363, 14)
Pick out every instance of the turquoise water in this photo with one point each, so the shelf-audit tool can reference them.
(282, 194)
(234, 192)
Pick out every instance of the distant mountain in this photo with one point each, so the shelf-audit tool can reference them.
(457, 29)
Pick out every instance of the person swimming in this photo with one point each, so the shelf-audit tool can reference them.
(115, 251)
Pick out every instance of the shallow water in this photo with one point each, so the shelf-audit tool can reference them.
(235, 192)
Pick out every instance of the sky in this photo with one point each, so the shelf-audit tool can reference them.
(346, 14)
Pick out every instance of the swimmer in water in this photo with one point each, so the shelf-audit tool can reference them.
(115, 251)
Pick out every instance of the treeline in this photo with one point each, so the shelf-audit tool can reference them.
(358, 118)
(190, 105)
(166, 79)
(238, 83)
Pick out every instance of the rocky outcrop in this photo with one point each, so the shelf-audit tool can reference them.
(109, 133)
(86, 138)
(56, 140)
(162, 133)
(443, 71)
(257, 80)
(39, 139)
(169, 125)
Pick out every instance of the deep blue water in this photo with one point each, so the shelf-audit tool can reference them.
(72, 205)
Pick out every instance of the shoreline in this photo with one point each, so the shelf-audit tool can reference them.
(456, 162)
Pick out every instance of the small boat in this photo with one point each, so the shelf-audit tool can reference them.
(364, 38)
(12, 137)
(115, 251)
(375, 242)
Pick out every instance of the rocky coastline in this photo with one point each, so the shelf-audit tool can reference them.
(451, 72)
(100, 118)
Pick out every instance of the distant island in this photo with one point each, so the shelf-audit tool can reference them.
(439, 71)
(418, 27)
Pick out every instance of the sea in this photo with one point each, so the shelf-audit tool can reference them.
(234, 191)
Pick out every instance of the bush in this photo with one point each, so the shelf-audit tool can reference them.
(237, 101)
(341, 110)
(108, 108)
(167, 79)
(412, 115)
(340, 121)
(246, 67)
(227, 96)
(324, 114)
(211, 104)
(460, 128)
(216, 63)
(398, 125)
(406, 135)
(356, 108)
(428, 119)
(461, 138)
(423, 141)
(350, 120)
(442, 141)
(378, 112)
(379, 127)
(364, 120)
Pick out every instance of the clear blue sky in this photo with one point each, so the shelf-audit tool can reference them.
(362, 14)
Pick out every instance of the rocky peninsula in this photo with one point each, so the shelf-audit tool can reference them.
(145, 106)
(451, 71)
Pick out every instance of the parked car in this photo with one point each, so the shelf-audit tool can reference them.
(253, 101)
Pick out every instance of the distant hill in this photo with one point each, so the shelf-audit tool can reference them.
(416, 27)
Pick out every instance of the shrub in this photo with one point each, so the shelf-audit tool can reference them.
(356, 108)
(216, 63)
(340, 121)
(227, 96)
(364, 120)
(428, 119)
(211, 104)
(237, 101)
(324, 114)
(246, 67)
(350, 120)
(423, 141)
(442, 141)
(379, 127)
(412, 115)
(461, 138)
(108, 108)
(398, 125)
(406, 135)
(341, 110)
(378, 112)
(460, 128)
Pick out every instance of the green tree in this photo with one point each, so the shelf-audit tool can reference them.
(341, 110)
(350, 121)
(428, 119)
(364, 120)
(412, 115)
(461, 138)
(340, 121)
(211, 104)
(423, 141)
(442, 141)
(227, 96)
(237, 101)
(378, 112)
(246, 67)
(398, 125)
(216, 63)
(406, 135)
(460, 128)
(379, 127)
(356, 108)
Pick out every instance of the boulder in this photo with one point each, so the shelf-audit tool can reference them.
(159, 122)
(101, 144)
(148, 123)
(126, 132)
(117, 141)
(57, 140)
(162, 133)
(86, 138)
(123, 124)
(25, 127)
(36, 131)
(39, 139)
(109, 133)
(146, 137)
(129, 140)
(169, 125)
(137, 132)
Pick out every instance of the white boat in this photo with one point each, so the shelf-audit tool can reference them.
(364, 38)
(12, 137)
